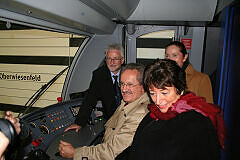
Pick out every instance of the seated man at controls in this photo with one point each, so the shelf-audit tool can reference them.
(121, 127)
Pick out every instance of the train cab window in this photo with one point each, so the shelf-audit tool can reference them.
(29, 59)
(150, 46)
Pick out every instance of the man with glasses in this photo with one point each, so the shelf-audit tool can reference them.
(121, 127)
(103, 87)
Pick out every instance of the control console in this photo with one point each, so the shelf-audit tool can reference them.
(44, 128)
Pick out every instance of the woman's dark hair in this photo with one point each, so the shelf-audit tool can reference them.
(180, 45)
(182, 49)
(165, 73)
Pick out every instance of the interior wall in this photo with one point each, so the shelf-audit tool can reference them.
(196, 52)
(212, 49)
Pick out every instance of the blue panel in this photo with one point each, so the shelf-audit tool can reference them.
(228, 78)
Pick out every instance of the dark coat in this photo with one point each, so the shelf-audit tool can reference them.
(101, 88)
(187, 136)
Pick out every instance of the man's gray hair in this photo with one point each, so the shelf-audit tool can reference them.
(115, 46)
(135, 66)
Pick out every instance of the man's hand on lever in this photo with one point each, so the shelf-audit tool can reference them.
(73, 126)
(66, 150)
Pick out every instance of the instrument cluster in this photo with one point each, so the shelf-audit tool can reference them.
(45, 124)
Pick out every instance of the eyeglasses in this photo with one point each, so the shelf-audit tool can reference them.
(128, 85)
(113, 59)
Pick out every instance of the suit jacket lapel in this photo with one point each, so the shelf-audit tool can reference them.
(108, 81)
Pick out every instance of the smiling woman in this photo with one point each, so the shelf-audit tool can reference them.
(163, 98)
(197, 82)
(179, 125)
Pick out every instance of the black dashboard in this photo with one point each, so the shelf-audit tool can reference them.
(45, 127)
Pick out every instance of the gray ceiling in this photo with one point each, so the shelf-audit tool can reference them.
(101, 16)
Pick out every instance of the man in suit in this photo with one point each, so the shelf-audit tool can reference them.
(102, 88)
(121, 127)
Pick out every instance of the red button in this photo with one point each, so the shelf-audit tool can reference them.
(36, 142)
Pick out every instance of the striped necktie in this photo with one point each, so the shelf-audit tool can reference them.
(118, 95)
